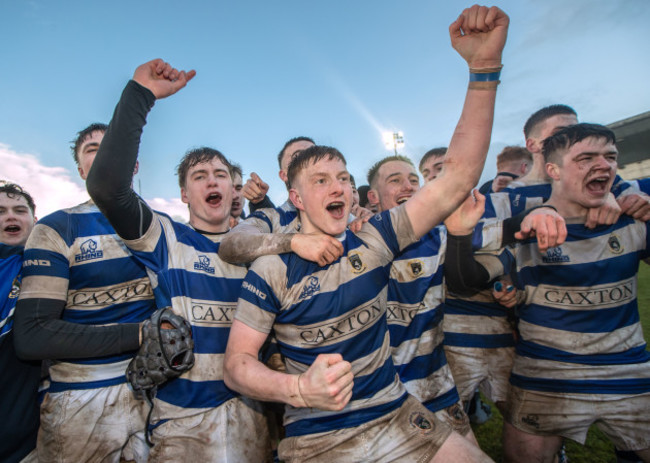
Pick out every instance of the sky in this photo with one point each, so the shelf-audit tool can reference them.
(341, 72)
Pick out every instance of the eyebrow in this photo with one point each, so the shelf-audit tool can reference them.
(90, 145)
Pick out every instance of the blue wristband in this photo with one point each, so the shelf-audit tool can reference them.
(484, 77)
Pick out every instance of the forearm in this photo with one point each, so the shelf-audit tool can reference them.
(111, 176)
(41, 334)
(264, 203)
(250, 377)
(463, 274)
(245, 244)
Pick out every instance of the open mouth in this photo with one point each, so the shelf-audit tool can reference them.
(402, 200)
(12, 229)
(213, 199)
(598, 185)
(336, 209)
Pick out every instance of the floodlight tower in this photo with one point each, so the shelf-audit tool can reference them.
(393, 140)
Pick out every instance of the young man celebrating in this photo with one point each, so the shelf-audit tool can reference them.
(18, 379)
(346, 401)
(580, 354)
(194, 415)
(82, 300)
(415, 301)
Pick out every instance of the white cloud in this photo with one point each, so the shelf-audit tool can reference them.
(53, 188)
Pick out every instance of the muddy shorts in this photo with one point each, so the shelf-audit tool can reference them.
(103, 424)
(409, 434)
(456, 418)
(625, 419)
(236, 431)
(487, 369)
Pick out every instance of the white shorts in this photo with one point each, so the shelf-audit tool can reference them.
(624, 419)
(104, 424)
(487, 369)
(236, 431)
(409, 434)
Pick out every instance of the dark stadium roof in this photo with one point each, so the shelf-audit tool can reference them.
(632, 138)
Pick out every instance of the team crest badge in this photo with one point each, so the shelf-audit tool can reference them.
(355, 261)
(204, 264)
(416, 267)
(554, 256)
(15, 289)
(614, 244)
(310, 288)
(418, 420)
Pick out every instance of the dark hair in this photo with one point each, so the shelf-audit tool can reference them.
(235, 169)
(198, 156)
(83, 135)
(372, 172)
(363, 195)
(547, 112)
(286, 145)
(353, 181)
(13, 190)
(311, 155)
(566, 137)
(513, 153)
(435, 152)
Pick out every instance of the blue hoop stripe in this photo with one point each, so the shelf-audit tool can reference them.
(484, 77)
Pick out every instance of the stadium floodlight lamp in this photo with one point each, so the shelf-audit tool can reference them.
(393, 140)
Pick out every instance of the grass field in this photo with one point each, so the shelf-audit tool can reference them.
(598, 449)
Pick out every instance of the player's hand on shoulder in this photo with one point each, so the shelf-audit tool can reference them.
(317, 247)
(463, 220)
(362, 215)
(547, 225)
(161, 78)
(479, 35)
(255, 188)
(607, 214)
(636, 205)
(327, 384)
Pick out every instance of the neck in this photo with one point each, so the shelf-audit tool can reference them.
(537, 173)
(567, 209)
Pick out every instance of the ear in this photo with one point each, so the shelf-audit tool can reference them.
(136, 168)
(295, 198)
(82, 174)
(553, 170)
(283, 176)
(373, 196)
(184, 197)
(533, 145)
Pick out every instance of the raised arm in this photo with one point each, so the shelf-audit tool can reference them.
(110, 178)
(479, 36)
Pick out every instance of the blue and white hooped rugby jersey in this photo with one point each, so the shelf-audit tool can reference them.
(74, 255)
(187, 274)
(579, 326)
(339, 308)
(11, 261)
(415, 313)
(282, 219)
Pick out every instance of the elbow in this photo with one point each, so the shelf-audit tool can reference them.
(228, 370)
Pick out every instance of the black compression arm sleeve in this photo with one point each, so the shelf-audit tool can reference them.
(110, 178)
(39, 334)
(464, 276)
(265, 203)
